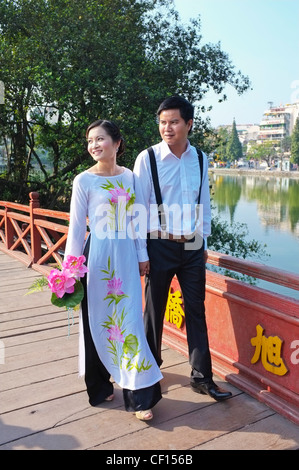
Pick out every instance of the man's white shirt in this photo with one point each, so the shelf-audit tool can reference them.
(179, 180)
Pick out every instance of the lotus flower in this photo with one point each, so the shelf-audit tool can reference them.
(114, 287)
(73, 266)
(119, 192)
(115, 334)
(60, 283)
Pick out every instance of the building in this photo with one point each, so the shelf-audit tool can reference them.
(247, 132)
(278, 122)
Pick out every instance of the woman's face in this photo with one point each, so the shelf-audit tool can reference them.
(100, 144)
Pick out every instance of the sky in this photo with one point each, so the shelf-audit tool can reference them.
(261, 38)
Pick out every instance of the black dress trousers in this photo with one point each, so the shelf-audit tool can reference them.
(169, 258)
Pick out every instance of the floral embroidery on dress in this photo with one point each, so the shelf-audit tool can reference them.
(120, 202)
(123, 346)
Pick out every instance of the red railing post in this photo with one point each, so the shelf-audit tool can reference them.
(9, 231)
(36, 249)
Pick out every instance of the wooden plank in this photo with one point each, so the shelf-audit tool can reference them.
(31, 325)
(61, 330)
(39, 392)
(40, 352)
(41, 417)
(43, 314)
(44, 405)
(185, 419)
(23, 377)
(18, 299)
(271, 433)
(182, 420)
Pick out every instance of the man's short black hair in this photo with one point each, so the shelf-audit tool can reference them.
(178, 102)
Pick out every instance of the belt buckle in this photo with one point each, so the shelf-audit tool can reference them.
(181, 239)
(164, 234)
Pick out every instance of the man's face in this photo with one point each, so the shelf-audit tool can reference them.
(173, 129)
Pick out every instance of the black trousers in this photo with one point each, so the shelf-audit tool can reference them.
(97, 378)
(169, 258)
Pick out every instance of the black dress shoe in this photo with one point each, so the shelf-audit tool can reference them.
(211, 389)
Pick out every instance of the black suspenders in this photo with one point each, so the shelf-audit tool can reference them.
(157, 186)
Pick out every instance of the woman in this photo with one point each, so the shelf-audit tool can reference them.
(113, 341)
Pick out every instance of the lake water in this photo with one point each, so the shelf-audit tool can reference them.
(269, 206)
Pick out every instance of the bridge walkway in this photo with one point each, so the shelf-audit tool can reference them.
(43, 403)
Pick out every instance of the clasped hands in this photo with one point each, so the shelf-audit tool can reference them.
(144, 267)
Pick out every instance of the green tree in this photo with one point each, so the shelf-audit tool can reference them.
(222, 141)
(286, 143)
(234, 146)
(232, 239)
(65, 64)
(295, 143)
(265, 151)
(212, 141)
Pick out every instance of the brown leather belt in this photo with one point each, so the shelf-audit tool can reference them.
(171, 237)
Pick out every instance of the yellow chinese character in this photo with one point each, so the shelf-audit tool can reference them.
(269, 349)
(174, 312)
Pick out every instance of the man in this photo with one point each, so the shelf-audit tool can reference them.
(176, 242)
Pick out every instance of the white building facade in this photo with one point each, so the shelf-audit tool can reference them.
(278, 122)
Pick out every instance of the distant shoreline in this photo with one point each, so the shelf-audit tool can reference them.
(253, 172)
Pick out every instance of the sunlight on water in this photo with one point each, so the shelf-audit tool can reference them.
(269, 206)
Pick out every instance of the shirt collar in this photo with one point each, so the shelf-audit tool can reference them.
(165, 150)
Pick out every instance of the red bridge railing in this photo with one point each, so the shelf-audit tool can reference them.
(253, 332)
(37, 237)
(33, 235)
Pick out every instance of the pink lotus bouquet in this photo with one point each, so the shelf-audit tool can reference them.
(67, 289)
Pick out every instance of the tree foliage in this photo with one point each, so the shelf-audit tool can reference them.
(234, 146)
(265, 151)
(232, 239)
(295, 143)
(65, 64)
(221, 144)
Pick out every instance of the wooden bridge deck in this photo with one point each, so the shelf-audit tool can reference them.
(43, 403)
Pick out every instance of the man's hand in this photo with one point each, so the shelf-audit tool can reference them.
(144, 268)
